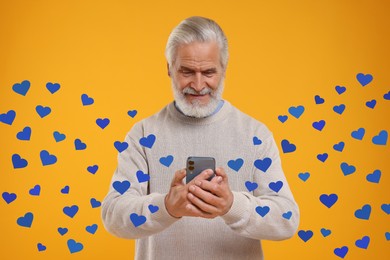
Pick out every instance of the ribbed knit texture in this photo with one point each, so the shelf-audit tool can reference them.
(226, 135)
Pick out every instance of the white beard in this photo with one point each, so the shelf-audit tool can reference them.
(194, 108)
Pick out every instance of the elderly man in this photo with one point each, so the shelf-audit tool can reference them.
(222, 218)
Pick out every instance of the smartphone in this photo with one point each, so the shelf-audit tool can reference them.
(196, 165)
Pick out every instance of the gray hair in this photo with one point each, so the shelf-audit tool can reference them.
(194, 29)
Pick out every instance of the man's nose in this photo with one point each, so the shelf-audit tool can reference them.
(198, 82)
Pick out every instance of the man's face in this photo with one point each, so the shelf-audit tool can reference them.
(197, 78)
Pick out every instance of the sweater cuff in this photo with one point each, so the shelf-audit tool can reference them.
(161, 215)
(238, 210)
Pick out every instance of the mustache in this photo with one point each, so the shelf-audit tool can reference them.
(204, 91)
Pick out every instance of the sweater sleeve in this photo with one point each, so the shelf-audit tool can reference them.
(270, 211)
(128, 210)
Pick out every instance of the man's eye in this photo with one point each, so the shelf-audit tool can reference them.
(186, 72)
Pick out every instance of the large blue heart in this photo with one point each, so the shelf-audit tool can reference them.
(142, 177)
(305, 235)
(86, 100)
(339, 147)
(25, 134)
(347, 169)
(275, 186)
(363, 243)
(364, 79)
(296, 111)
(137, 220)
(236, 164)
(386, 208)
(325, 232)
(329, 200)
(153, 208)
(374, 177)
(304, 176)
(166, 161)
(251, 186)
(120, 147)
(102, 122)
(364, 212)
(322, 157)
(41, 247)
(9, 197)
(340, 89)
(52, 87)
(26, 220)
(288, 147)
(8, 118)
(71, 211)
(47, 158)
(92, 228)
(287, 215)
(319, 125)
(341, 252)
(35, 191)
(148, 141)
(43, 111)
(371, 104)
(58, 136)
(62, 231)
(95, 203)
(121, 186)
(264, 164)
(18, 162)
(79, 145)
(319, 100)
(339, 109)
(381, 138)
(387, 96)
(262, 211)
(358, 134)
(74, 246)
(21, 88)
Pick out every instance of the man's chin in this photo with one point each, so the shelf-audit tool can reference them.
(195, 108)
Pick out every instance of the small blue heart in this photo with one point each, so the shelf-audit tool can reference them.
(364, 212)
(386, 208)
(121, 186)
(347, 169)
(74, 247)
(341, 252)
(166, 161)
(86, 100)
(120, 147)
(340, 89)
(92, 169)
(387, 96)
(283, 118)
(41, 247)
(18, 162)
(256, 141)
(92, 229)
(264, 164)
(142, 177)
(8, 118)
(262, 211)
(339, 109)
(132, 113)
(102, 122)
(9, 197)
(52, 87)
(95, 203)
(325, 232)
(236, 164)
(381, 138)
(251, 186)
(305, 235)
(148, 141)
(371, 104)
(296, 111)
(62, 231)
(275, 186)
(374, 177)
(26, 220)
(79, 145)
(43, 111)
(71, 211)
(339, 147)
(319, 100)
(304, 176)
(322, 157)
(287, 215)
(387, 235)
(358, 134)
(288, 147)
(329, 200)
(364, 79)
(21, 88)
(65, 190)
(153, 208)
(35, 191)
(25, 134)
(363, 243)
(319, 125)
(47, 158)
(58, 136)
(137, 220)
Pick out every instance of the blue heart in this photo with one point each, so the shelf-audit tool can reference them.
(296, 111)
(339, 147)
(52, 87)
(35, 191)
(325, 232)
(364, 79)
(341, 252)
(364, 212)
(236, 164)
(363, 243)
(322, 157)
(256, 141)
(287, 215)
(65, 190)
(153, 208)
(120, 147)
(374, 177)
(43, 111)
(340, 89)
(329, 200)
(86, 100)
(137, 220)
(79, 145)
(21, 88)
(132, 113)
(288, 147)
(339, 109)
(386, 208)
(25, 134)
(8, 118)
(18, 162)
(71, 211)
(387, 96)
(275, 186)
(319, 125)
(46, 158)
(381, 138)
(358, 134)
(92, 229)
(62, 231)
(305, 235)
(283, 118)
(92, 169)
(102, 122)
(41, 247)
(9, 197)
(347, 169)
(262, 211)
(319, 100)
(148, 141)
(74, 247)
(371, 104)
(121, 186)
(95, 203)
(26, 221)
(142, 177)
(304, 176)
(58, 136)
(251, 186)
(264, 164)
(166, 161)
(387, 235)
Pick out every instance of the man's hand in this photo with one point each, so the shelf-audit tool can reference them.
(212, 198)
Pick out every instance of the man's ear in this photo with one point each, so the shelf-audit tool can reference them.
(169, 73)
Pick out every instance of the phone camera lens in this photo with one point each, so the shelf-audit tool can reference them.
(191, 168)
(191, 162)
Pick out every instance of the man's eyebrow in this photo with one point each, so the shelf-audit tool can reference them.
(185, 68)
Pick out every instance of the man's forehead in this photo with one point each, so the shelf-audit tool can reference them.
(198, 55)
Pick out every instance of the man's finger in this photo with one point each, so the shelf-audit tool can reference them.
(178, 177)
(221, 172)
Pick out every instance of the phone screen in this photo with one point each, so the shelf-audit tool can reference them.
(196, 165)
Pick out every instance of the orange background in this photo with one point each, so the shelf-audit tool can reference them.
(282, 54)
